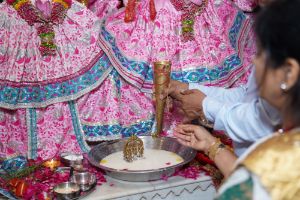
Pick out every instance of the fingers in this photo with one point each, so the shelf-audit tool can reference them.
(180, 111)
(187, 92)
(186, 120)
(186, 127)
(166, 92)
(202, 133)
(183, 142)
(179, 97)
(179, 130)
(183, 136)
(174, 89)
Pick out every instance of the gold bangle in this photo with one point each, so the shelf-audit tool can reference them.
(215, 148)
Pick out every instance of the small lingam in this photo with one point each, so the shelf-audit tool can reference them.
(133, 149)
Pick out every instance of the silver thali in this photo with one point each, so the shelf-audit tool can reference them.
(102, 150)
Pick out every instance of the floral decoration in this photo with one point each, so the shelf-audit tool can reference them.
(32, 15)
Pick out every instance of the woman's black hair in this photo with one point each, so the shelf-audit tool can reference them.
(278, 34)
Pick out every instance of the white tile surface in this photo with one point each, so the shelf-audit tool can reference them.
(174, 188)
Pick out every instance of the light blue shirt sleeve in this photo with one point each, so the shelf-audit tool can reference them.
(224, 95)
(244, 123)
(239, 112)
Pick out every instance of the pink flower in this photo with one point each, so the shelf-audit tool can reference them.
(164, 177)
(190, 172)
(44, 6)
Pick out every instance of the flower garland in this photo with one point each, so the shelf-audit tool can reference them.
(189, 12)
(45, 24)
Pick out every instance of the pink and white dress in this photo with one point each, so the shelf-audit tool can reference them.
(54, 103)
(103, 7)
(218, 51)
(98, 87)
(215, 48)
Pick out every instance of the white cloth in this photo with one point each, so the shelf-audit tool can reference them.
(239, 112)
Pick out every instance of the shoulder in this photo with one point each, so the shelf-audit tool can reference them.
(272, 151)
(275, 162)
(267, 169)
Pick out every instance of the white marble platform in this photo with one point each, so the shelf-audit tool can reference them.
(174, 188)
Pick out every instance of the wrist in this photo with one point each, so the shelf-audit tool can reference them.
(214, 149)
(209, 142)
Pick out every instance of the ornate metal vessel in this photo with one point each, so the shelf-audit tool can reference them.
(100, 151)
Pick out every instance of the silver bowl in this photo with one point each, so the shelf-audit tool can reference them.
(63, 169)
(85, 180)
(71, 159)
(102, 150)
(66, 191)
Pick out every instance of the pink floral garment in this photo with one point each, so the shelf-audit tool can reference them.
(43, 120)
(115, 109)
(103, 7)
(21, 61)
(220, 54)
(44, 132)
(43, 99)
(246, 5)
(33, 86)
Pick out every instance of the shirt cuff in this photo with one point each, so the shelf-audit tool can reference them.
(211, 107)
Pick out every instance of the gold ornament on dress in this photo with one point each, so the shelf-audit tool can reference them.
(162, 70)
(276, 163)
(133, 149)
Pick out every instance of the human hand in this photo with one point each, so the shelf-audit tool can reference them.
(194, 136)
(190, 102)
(175, 89)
